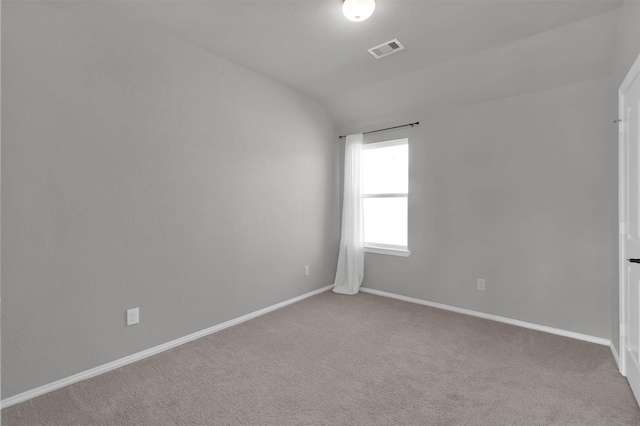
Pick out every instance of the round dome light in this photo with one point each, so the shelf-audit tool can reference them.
(358, 10)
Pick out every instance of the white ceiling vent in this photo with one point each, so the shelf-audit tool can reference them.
(386, 49)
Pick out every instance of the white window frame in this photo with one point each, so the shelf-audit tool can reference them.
(389, 249)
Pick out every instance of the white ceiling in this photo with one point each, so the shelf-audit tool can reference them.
(456, 51)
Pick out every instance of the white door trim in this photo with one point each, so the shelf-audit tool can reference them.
(634, 72)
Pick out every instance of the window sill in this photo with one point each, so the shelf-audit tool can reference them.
(388, 251)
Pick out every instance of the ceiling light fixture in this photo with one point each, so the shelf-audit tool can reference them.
(358, 10)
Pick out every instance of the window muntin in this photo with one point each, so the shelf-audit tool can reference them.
(385, 195)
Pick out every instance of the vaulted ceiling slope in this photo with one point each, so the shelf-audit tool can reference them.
(457, 52)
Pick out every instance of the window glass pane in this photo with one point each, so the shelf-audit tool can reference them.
(385, 220)
(386, 170)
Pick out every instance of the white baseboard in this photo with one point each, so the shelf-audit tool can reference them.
(25, 396)
(616, 356)
(544, 328)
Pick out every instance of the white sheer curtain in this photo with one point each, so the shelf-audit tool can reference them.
(351, 258)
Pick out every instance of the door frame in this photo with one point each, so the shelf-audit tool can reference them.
(633, 73)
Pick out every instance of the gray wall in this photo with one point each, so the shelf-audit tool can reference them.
(627, 50)
(519, 191)
(141, 171)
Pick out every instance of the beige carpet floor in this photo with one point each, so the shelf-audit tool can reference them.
(353, 360)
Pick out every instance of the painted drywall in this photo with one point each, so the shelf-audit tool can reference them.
(503, 48)
(626, 52)
(628, 43)
(579, 51)
(141, 171)
(519, 191)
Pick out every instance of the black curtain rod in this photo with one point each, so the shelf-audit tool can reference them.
(388, 128)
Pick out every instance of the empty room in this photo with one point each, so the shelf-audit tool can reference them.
(320, 212)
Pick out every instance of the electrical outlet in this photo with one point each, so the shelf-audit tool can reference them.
(480, 283)
(306, 271)
(133, 316)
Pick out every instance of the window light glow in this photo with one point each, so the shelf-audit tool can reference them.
(385, 175)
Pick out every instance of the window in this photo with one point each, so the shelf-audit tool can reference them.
(385, 173)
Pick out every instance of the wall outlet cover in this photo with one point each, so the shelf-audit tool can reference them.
(480, 284)
(133, 316)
